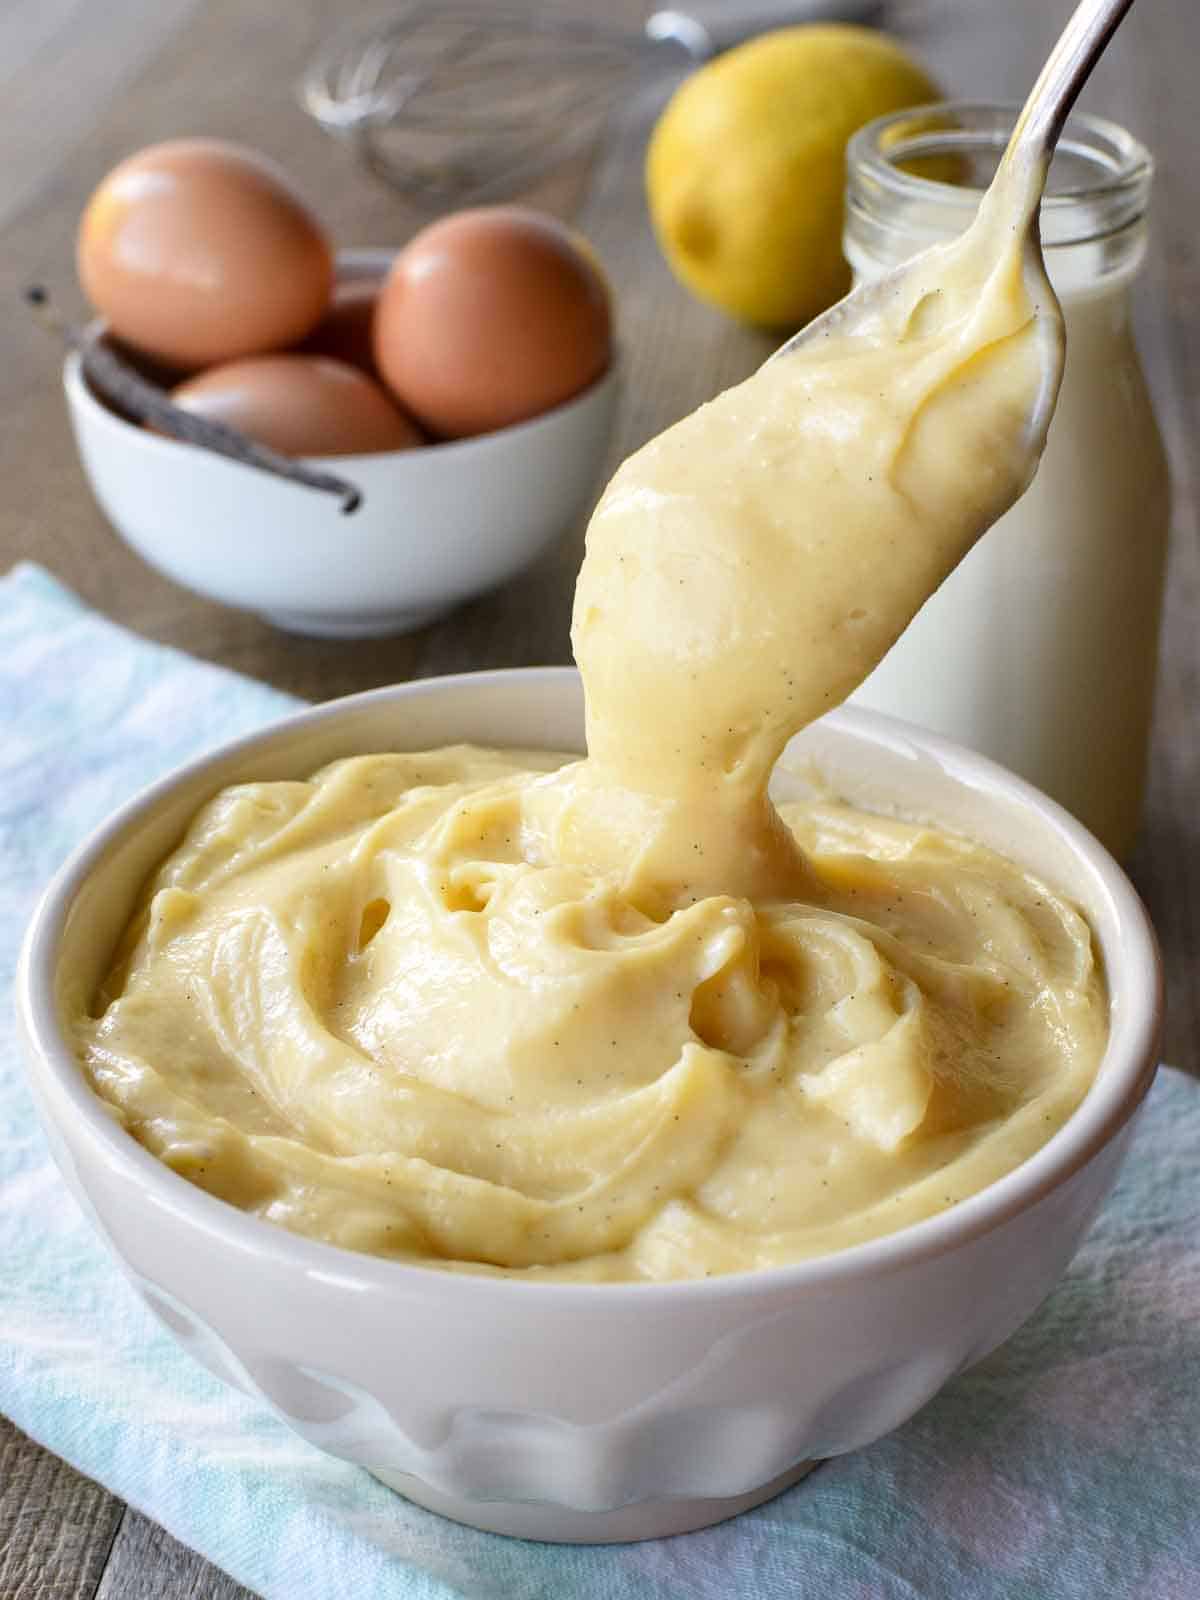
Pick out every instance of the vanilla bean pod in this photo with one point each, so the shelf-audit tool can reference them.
(118, 383)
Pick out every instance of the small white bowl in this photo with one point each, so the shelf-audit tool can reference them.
(580, 1411)
(437, 525)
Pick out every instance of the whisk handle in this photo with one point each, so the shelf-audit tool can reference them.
(706, 30)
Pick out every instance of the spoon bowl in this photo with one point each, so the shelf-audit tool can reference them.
(895, 300)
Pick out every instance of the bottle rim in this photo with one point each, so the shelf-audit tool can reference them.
(1113, 195)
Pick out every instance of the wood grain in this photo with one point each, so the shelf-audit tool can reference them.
(56, 1527)
(147, 1564)
(228, 68)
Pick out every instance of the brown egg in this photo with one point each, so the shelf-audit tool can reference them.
(489, 317)
(301, 406)
(198, 251)
(345, 331)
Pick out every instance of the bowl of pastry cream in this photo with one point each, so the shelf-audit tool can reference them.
(769, 1223)
(587, 1099)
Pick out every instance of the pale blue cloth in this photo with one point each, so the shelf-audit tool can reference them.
(1065, 1467)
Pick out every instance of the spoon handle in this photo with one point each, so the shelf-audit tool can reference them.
(1079, 47)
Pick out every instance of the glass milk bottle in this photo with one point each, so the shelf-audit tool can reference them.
(1040, 649)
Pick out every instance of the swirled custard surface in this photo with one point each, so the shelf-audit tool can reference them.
(623, 1017)
(377, 1008)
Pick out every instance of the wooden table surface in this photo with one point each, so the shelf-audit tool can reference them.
(81, 86)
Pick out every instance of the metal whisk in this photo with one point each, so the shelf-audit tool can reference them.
(459, 103)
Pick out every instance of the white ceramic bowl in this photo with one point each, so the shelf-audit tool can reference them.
(437, 525)
(575, 1411)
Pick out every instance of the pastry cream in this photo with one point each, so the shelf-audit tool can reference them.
(622, 1017)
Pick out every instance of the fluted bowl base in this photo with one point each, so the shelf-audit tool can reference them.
(647, 1519)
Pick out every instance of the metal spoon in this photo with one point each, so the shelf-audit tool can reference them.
(1015, 193)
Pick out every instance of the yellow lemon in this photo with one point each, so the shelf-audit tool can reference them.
(744, 172)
